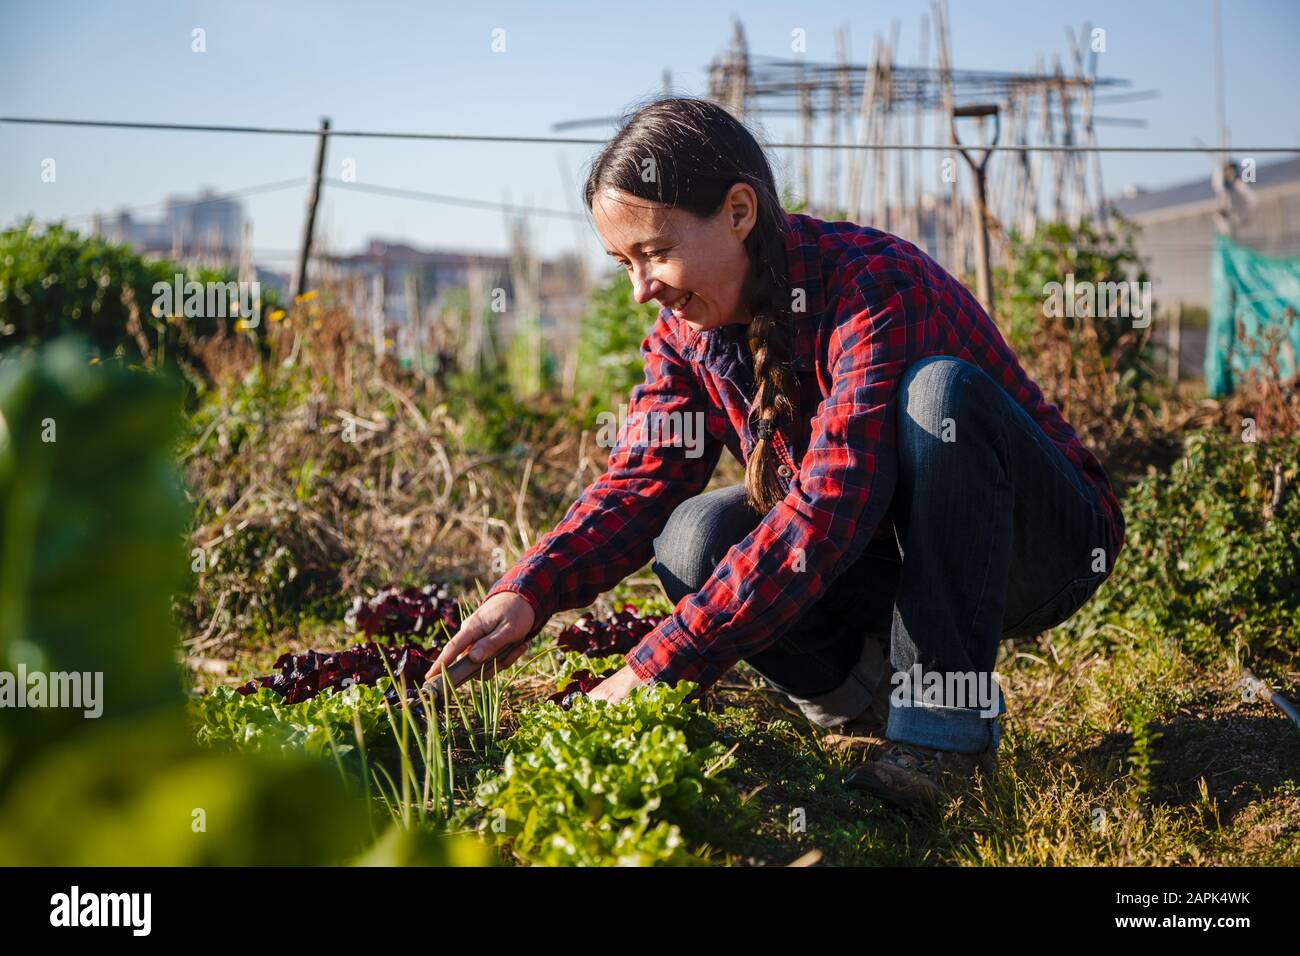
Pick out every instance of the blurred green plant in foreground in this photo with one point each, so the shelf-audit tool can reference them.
(91, 548)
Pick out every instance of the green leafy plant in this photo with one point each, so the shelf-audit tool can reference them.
(323, 725)
(622, 784)
(570, 662)
(1208, 555)
(54, 281)
(1059, 310)
(1090, 255)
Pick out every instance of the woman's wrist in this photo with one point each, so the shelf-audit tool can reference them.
(539, 618)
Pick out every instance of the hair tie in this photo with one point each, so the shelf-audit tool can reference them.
(763, 431)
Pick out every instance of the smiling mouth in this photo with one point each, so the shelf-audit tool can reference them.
(680, 306)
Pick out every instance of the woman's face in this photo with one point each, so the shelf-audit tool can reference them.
(697, 267)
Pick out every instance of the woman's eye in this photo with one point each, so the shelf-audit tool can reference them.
(656, 253)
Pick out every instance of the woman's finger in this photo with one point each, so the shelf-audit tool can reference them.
(492, 644)
(472, 630)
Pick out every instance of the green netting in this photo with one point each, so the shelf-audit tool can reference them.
(1259, 293)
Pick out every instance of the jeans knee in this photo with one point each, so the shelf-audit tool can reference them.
(697, 535)
(933, 404)
(675, 549)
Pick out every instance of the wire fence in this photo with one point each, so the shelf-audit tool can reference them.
(596, 141)
(525, 209)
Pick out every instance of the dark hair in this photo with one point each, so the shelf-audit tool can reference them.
(697, 152)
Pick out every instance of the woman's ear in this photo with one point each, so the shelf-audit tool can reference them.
(741, 206)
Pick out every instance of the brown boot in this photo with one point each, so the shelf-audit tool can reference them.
(919, 778)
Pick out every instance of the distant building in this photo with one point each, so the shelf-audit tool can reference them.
(1179, 223)
(436, 272)
(205, 227)
(439, 272)
(201, 231)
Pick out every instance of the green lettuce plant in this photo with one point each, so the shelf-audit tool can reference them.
(632, 783)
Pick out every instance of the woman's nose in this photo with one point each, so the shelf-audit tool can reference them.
(644, 287)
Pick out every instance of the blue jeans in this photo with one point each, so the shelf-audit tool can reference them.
(996, 536)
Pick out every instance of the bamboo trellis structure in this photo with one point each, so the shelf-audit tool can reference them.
(927, 196)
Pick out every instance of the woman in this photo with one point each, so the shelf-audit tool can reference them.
(904, 477)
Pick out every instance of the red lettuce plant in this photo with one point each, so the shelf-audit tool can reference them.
(303, 676)
(618, 633)
(397, 611)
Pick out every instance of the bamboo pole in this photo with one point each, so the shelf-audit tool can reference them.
(377, 312)
(888, 122)
(806, 122)
(1084, 115)
(1049, 139)
(917, 157)
(866, 112)
(1059, 159)
(1103, 215)
(882, 203)
(834, 159)
(956, 248)
(1026, 203)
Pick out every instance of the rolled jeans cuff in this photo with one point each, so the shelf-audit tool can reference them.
(957, 729)
(866, 688)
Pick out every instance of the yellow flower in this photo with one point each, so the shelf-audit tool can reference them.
(241, 325)
(306, 296)
(277, 315)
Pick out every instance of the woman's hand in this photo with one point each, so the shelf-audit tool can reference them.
(616, 686)
(503, 619)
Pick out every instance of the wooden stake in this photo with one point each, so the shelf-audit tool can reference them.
(313, 200)
(1175, 366)
(377, 312)
(414, 321)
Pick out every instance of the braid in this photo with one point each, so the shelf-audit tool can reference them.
(770, 342)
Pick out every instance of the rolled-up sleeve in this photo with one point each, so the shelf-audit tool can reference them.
(662, 455)
(840, 494)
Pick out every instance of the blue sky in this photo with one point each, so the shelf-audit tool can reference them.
(429, 66)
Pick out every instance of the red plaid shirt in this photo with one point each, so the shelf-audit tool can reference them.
(873, 304)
